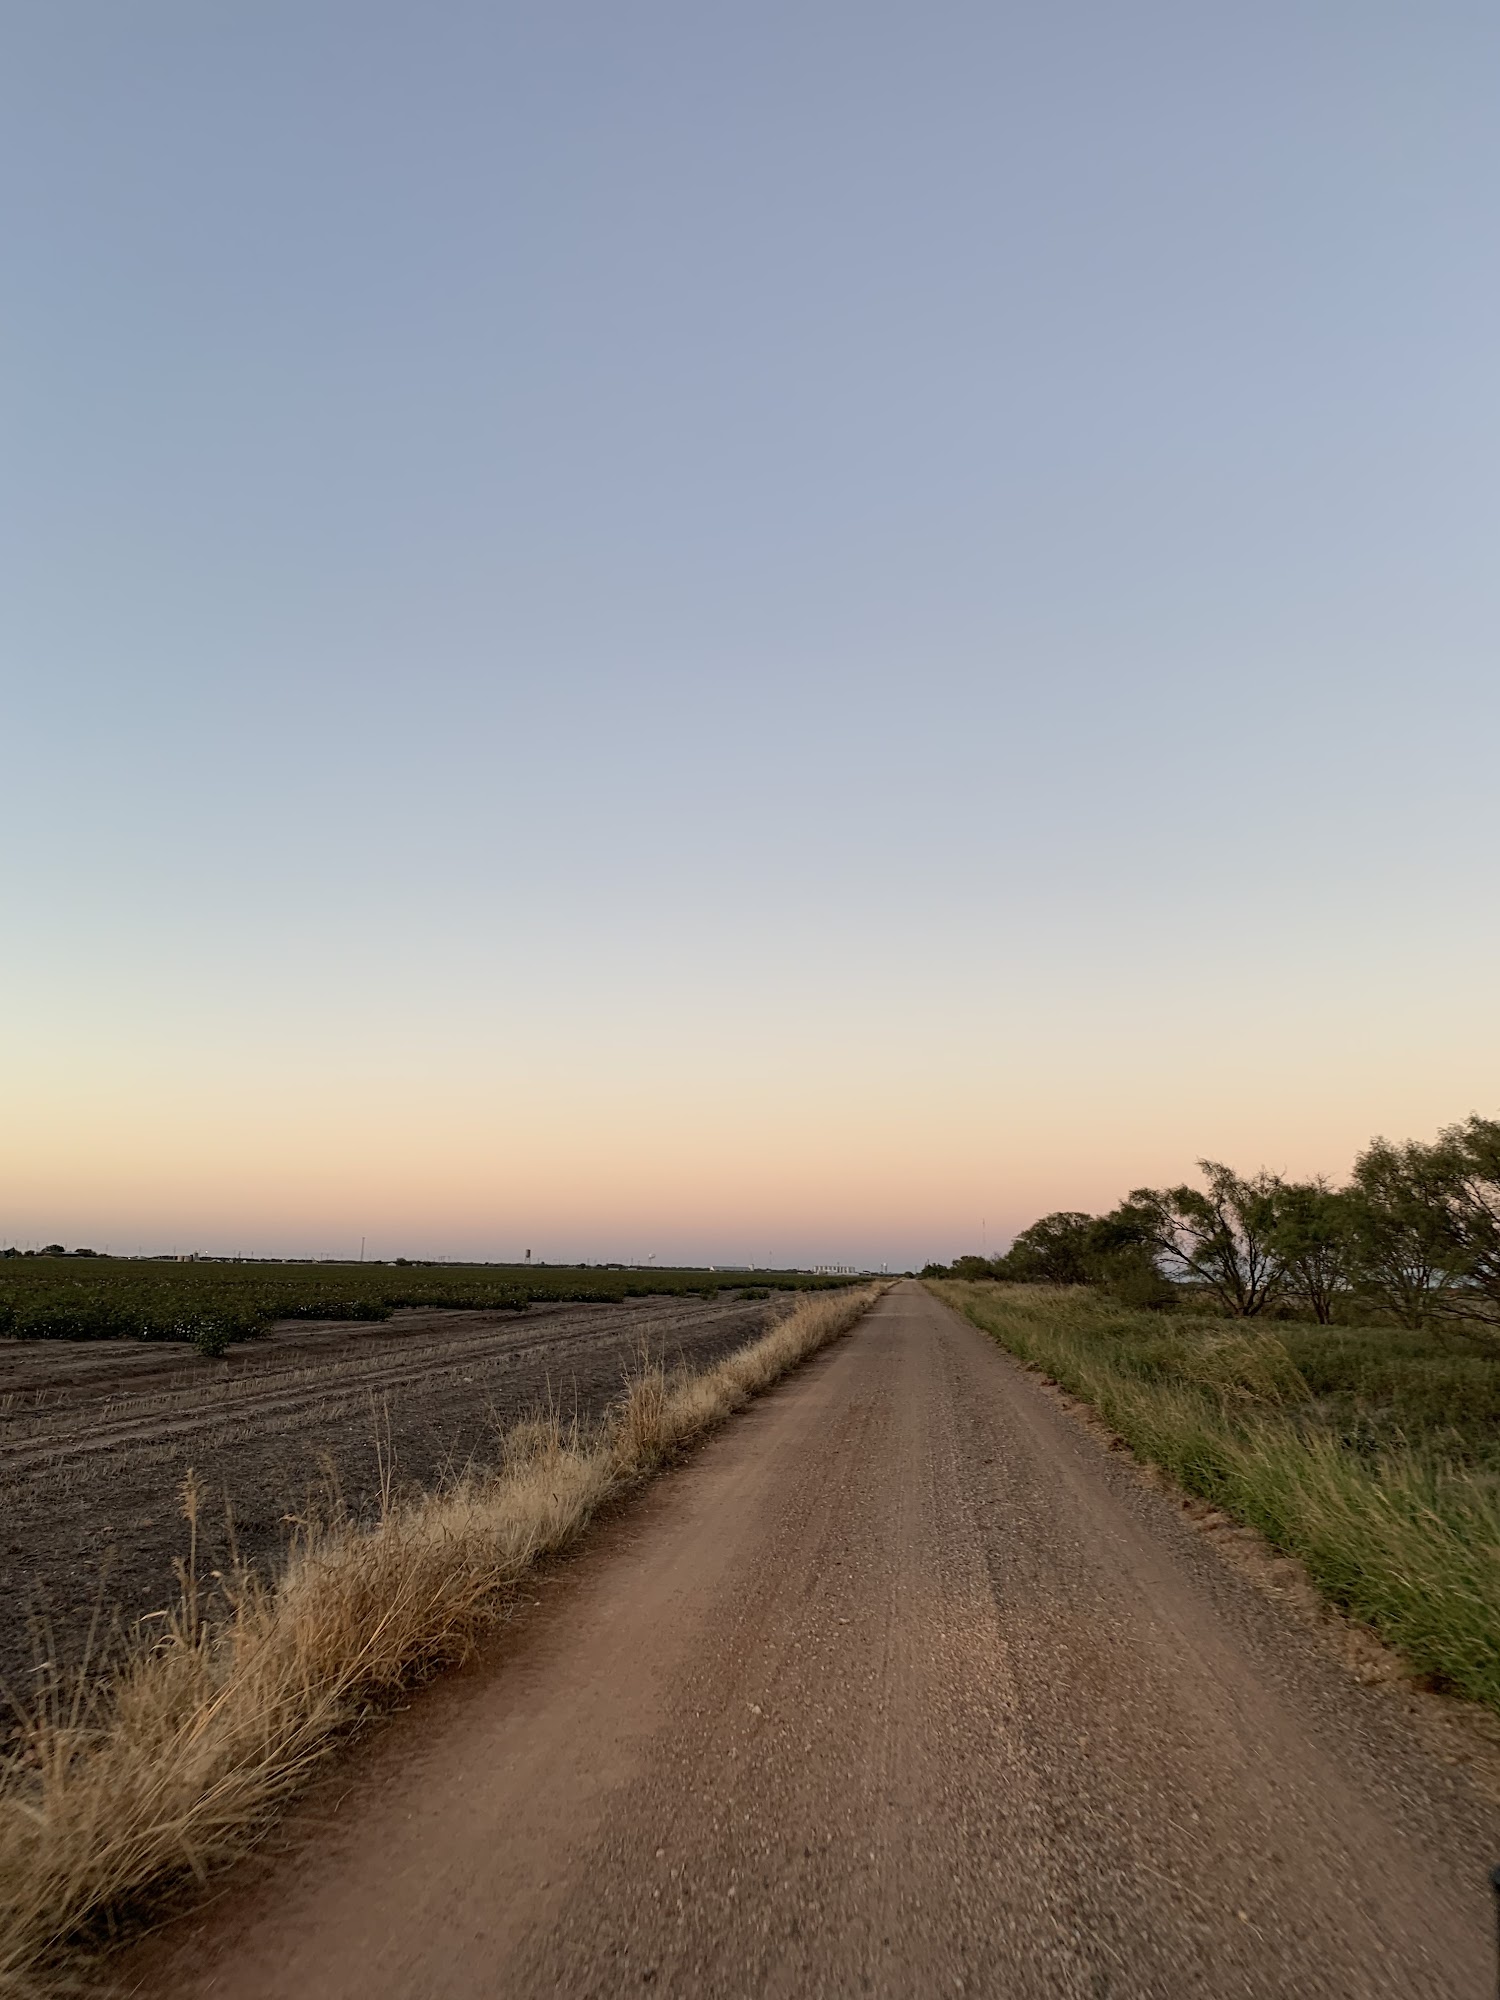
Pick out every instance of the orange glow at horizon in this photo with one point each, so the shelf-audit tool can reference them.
(866, 1150)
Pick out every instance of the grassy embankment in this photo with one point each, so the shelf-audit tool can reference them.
(211, 1304)
(113, 1800)
(1372, 1453)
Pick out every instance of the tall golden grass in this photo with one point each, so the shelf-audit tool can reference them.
(116, 1796)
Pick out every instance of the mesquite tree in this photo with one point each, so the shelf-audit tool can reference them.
(1475, 1209)
(1405, 1250)
(1054, 1251)
(1312, 1236)
(1224, 1237)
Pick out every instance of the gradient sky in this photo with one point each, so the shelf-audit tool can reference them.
(759, 632)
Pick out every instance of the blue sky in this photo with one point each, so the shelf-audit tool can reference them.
(801, 624)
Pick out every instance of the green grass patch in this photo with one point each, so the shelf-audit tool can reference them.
(1371, 1453)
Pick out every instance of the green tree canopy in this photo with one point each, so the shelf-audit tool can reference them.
(1405, 1250)
(1054, 1251)
(1312, 1236)
(1472, 1198)
(1221, 1237)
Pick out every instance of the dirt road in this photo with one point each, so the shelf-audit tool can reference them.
(903, 1686)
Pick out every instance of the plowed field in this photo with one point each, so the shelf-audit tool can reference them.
(97, 1439)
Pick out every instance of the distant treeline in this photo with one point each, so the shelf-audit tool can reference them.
(210, 1304)
(1414, 1236)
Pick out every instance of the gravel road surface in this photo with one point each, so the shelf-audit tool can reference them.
(905, 1686)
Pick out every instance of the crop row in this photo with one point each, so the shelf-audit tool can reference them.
(209, 1305)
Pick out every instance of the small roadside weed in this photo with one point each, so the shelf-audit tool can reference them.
(113, 1796)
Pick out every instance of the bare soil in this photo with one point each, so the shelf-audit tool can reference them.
(904, 1685)
(98, 1437)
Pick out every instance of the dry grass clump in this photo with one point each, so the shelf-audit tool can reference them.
(117, 1794)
